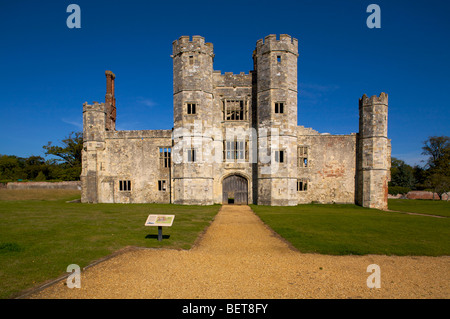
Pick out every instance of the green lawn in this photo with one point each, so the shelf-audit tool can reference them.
(40, 238)
(41, 234)
(422, 206)
(350, 229)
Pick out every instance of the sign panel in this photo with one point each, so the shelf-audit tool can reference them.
(159, 220)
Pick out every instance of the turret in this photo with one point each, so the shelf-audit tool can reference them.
(192, 80)
(275, 62)
(193, 114)
(373, 155)
(94, 116)
(97, 119)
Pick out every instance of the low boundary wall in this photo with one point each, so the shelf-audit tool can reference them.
(44, 185)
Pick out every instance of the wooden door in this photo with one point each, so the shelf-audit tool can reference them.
(235, 190)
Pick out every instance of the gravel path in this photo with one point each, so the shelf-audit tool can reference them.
(240, 257)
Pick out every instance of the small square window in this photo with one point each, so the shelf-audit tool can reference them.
(125, 186)
(302, 185)
(162, 186)
(279, 156)
(191, 155)
(279, 107)
(191, 108)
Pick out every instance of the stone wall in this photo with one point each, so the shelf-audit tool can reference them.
(426, 195)
(331, 168)
(76, 185)
(133, 156)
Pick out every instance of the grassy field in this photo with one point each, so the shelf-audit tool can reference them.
(39, 238)
(41, 234)
(350, 229)
(421, 206)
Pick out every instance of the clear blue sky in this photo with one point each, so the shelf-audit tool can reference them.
(47, 70)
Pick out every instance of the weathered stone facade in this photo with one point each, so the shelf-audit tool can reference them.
(238, 130)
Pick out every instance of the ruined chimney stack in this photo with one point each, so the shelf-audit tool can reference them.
(110, 102)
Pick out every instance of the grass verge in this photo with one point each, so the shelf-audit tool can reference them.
(350, 229)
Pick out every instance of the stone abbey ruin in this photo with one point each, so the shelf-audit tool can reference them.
(235, 139)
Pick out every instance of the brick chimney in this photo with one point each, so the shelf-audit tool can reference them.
(110, 102)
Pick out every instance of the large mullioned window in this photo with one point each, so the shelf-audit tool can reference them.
(235, 110)
(164, 157)
(235, 151)
(302, 156)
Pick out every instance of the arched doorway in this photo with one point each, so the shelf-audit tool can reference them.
(235, 190)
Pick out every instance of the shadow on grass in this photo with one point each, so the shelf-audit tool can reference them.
(156, 236)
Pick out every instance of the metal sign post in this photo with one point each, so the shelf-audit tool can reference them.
(159, 233)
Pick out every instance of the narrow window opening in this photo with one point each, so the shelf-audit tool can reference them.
(124, 186)
(302, 185)
(279, 107)
(278, 58)
(191, 108)
(162, 186)
(191, 155)
(279, 156)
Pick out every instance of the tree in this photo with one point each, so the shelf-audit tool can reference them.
(436, 147)
(11, 168)
(402, 174)
(34, 165)
(420, 175)
(40, 177)
(438, 173)
(70, 152)
(68, 165)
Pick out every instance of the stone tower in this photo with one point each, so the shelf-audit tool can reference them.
(94, 116)
(97, 119)
(193, 116)
(275, 63)
(373, 153)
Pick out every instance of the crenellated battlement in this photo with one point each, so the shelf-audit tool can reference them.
(270, 43)
(381, 99)
(229, 79)
(196, 44)
(95, 106)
